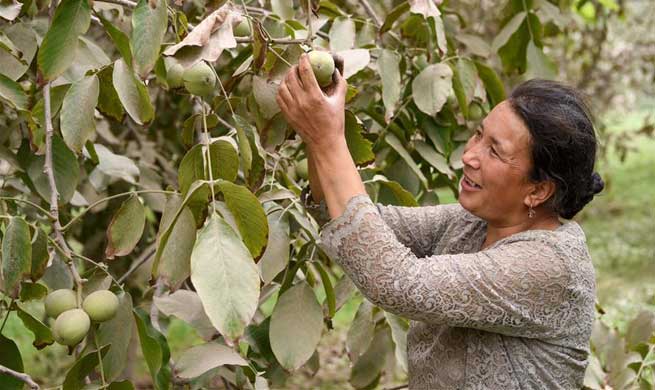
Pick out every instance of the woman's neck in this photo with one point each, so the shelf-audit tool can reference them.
(496, 232)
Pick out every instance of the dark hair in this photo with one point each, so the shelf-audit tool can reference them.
(563, 142)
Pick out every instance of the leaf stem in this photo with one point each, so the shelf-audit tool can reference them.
(208, 150)
(280, 57)
(527, 17)
(36, 206)
(102, 369)
(145, 256)
(94, 204)
(371, 12)
(7, 316)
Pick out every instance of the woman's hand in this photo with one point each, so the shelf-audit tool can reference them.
(316, 115)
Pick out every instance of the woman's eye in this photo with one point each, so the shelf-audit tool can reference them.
(478, 133)
(493, 151)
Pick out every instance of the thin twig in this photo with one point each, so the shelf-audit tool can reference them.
(371, 12)
(36, 206)
(19, 375)
(281, 58)
(274, 41)
(7, 316)
(227, 98)
(310, 34)
(209, 155)
(54, 195)
(99, 201)
(144, 257)
(102, 368)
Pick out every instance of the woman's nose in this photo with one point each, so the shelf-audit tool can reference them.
(470, 157)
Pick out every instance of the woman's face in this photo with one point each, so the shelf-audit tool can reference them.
(497, 162)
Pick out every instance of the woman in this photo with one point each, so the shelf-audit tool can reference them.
(500, 292)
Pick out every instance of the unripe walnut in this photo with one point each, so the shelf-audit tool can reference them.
(199, 79)
(71, 326)
(101, 305)
(323, 66)
(59, 301)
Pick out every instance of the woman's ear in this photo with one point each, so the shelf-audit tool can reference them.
(540, 193)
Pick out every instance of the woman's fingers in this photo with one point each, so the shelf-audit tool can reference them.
(307, 76)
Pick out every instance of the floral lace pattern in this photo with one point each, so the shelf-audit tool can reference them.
(516, 315)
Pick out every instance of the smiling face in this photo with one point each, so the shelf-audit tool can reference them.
(497, 164)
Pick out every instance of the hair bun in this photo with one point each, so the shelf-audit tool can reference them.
(597, 183)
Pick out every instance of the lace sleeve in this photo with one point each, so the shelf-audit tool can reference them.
(518, 289)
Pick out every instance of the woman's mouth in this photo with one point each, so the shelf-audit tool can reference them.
(469, 184)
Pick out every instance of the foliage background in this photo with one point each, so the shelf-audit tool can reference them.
(138, 132)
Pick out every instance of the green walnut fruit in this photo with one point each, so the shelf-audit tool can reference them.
(174, 72)
(302, 169)
(243, 29)
(323, 66)
(199, 79)
(475, 111)
(100, 305)
(71, 326)
(59, 301)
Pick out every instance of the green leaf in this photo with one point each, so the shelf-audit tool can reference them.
(24, 39)
(224, 163)
(640, 329)
(400, 149)
(539, 65)
(126, 228)
(265, 93)
(245, 151)
(77, 121)
(342, 34)
(117, 332)
(493, 85)
(399, 328)
(330, 296)
(119, 38)
(42, 334)
(475, 44)
(283, 9)
(16, 255)
(132, 93)
(276, 255)
(149, 24)
(430, 89)
(249, 215)
(464, 80)
(389, 68)
(108, 101)
(401, 195)
(199, 359)
(187, 306)
(155, 350)
(175, 262)
(164, 236)
(513, 54)
(31, 291)
(292, 343)
(508, 30)
(40, 255)
(57, 51)
(435, 159)
(251, 152)
(12, 92)
(10, 357)
(122, 385)
(361, 331)
(361, 149)
(84, 366)
(393, 15)
(225, 277)
(66, 168)
(370, 364)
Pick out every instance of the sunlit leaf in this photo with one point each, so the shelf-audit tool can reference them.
(225, 277)
(77, 121)
(12, 92)
(199, 359)
(132, 93)
(388, 66)
(430, 89)
(125, 228)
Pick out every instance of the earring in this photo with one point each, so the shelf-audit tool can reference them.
(531, 212)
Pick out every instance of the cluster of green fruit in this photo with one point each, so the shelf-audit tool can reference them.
(73, 323)
(198, 80)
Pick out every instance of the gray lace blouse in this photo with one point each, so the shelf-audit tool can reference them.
(516, 315)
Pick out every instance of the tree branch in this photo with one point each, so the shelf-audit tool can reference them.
(145, 256)
(19, 375)
(54, 195)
